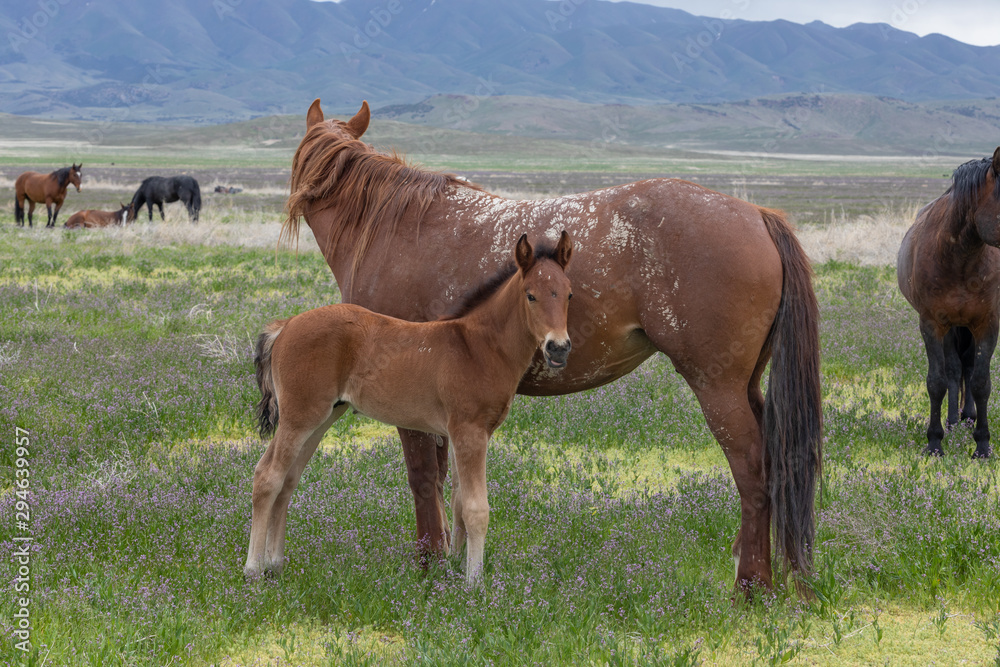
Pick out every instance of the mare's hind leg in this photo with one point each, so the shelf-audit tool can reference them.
(980, 387)
(967, 354)
(31, 213)
(426, 470)
(275, 478)
(937, 383)
(159, 205)
(733, 415)
(953, 371)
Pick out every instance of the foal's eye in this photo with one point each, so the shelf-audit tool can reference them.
(570, 296)
(531, 297)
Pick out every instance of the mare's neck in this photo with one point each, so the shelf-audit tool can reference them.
(959, 239)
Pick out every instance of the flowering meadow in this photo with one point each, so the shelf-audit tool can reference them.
(129, 366)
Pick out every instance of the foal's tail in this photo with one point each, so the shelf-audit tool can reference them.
(793, 412)
(267, 409)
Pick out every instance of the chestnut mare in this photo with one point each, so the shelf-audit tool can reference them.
(717, 284)
(91, 218)
(48, 188)
(948, 268)
(455, 377)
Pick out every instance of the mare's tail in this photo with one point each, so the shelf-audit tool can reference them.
(267, 409)
(18, 212)
(793, 412)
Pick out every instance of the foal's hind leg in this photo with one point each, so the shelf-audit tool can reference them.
(275, 478)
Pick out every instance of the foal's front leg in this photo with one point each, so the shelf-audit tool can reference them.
(473, 512)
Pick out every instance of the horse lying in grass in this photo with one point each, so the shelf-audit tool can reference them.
(948, 268)
(455, 377)
(91, 218)
(36, 188)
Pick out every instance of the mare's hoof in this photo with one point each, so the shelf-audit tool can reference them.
(934, 451)
(982, 453)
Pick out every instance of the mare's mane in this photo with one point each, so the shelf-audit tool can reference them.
(373, 189)
(62, 175)
(967, 180)
(479, 295)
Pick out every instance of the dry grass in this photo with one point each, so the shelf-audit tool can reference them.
(869, 240)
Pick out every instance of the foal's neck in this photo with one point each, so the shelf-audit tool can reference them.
(500, 324)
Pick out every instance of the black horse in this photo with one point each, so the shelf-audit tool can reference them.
(160, 189)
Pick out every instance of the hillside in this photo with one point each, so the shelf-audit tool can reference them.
(194, 61)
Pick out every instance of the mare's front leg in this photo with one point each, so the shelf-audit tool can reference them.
(937, 383)
(980, 387)
(55, 213)
(473, 512)
(426, 458)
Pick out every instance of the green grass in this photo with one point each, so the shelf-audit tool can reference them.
(613, 510)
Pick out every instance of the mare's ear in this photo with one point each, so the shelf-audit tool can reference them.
(996, 162)
(314, 115)
(357, 125)
(564, 250)
(524, 254)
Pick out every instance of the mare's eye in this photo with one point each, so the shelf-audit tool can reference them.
(531, 297)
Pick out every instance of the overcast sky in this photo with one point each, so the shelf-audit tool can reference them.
(969, 21)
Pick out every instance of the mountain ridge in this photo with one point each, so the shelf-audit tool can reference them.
(192, 61)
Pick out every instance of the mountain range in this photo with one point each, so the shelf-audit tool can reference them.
(220, 60)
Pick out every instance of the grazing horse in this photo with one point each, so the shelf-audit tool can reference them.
(948, 268)
(455, 377)
(719, 285)
(90, 218)
(163, 189)
(48, 188)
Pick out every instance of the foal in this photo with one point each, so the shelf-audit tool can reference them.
(455, 377)
(92, 218)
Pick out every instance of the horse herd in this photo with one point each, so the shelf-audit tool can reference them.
(719, 285)
(33, 188)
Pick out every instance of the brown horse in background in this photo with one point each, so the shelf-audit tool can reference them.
(455, 377)
(48, 188)
(91, 218)
(948, 268)
(719, 285)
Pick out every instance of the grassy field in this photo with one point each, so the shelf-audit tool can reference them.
(125, 357)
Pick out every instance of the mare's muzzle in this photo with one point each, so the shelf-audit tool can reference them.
(556, 353)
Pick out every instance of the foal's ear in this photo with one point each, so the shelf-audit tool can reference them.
(357, 125)
(524, 254)
(564, 250)
(996, 163)
(314, 115)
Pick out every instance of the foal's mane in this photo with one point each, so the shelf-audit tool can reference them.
(481, 294)
(373, 189)
(967, 180)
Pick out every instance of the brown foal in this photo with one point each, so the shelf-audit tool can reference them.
(454, 377)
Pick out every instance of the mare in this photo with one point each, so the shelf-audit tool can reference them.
(48, 188)
(455, 377)
(165, 189)
(91, 218)
(948, 268)
(719, 285)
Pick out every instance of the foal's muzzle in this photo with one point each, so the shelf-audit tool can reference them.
(556, 353)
